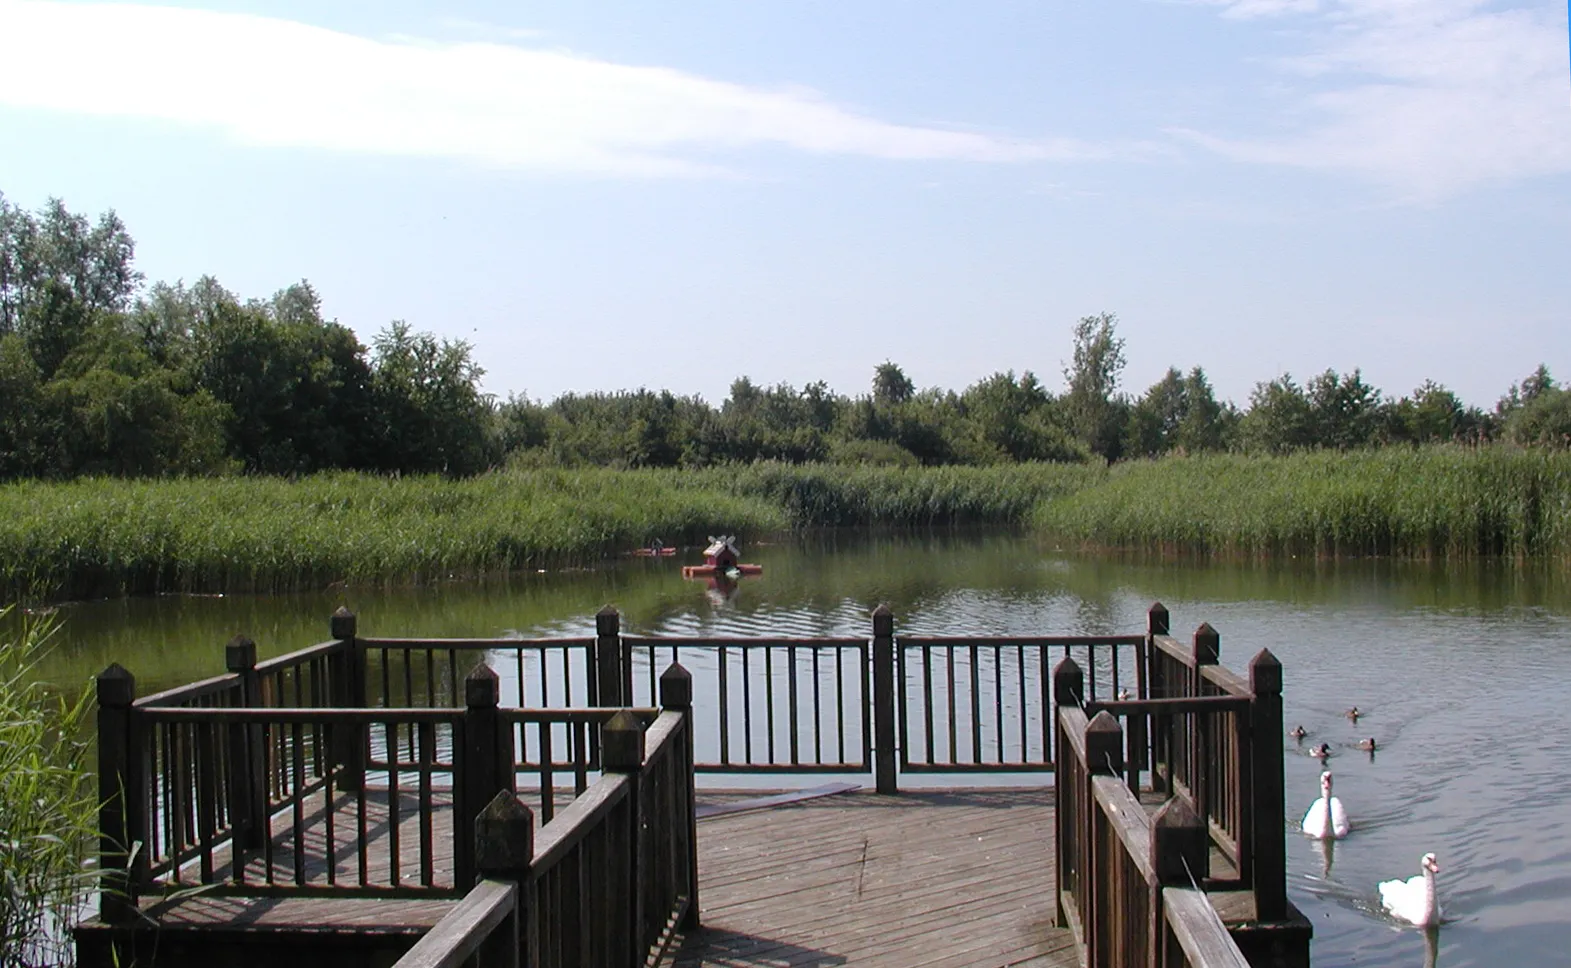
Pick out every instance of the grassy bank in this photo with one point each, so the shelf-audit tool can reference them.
(111, 537)
(1435, 502)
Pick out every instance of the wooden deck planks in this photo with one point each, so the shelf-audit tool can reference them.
(929, 879)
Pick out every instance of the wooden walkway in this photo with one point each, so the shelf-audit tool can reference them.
(961, 878)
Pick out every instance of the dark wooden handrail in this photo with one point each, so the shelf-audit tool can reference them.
(466, 928)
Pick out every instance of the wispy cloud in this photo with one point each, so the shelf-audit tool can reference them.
(276, 82)
(1430, 97)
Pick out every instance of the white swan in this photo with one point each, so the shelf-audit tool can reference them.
(1414, 899)
(1326, 818)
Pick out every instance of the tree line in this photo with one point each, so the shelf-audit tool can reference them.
(101, 374)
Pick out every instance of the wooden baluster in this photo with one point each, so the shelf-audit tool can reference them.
(884, 700)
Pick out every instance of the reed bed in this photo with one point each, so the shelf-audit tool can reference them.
(1436, 502)
(834, 495)
(48, 803)
(112, 537)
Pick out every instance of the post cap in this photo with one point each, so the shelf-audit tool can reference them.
(481, 689)
(342, 624)
(240, 654)
(622, 742)
(1068, 683)
(1265, 673)
(883, 621)
(1157, 619)
(115, 686)
(676, 687)
(608, 621)
(1208, 645)
(505, 834)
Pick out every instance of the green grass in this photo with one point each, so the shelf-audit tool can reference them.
(114, 537)
(48, 805)
(1440, 502)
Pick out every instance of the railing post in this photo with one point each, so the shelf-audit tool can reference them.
(1141, 725)
(884, 700)
(676, 693)
(1104, 757)
(608, 658)
(486, 766)
(622, 751)
(1266, 795)
(1207, 650)
(122, 803)
(1180, 857)
(1068, 687)
(349, 693)
(504, 850)
(248, 780)
(1161, 736)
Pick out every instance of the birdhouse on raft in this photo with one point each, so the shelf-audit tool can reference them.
(720, 559)
(722, 553)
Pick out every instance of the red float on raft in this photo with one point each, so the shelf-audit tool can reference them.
(720, 561)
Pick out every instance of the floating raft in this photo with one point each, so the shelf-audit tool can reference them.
(720, 561)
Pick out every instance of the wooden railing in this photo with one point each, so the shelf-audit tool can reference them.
(609, 882)
(1129, 883)
(379, 726)
(261, 801)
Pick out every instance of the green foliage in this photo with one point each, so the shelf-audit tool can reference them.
(48, 806)
(1094, 413)
(1430, 502)
(1544, 420)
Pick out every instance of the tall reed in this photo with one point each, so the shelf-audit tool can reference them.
(1436, 502)
(48, 808)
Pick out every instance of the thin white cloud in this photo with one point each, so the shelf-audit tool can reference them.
(276, 82)
(1429, 97)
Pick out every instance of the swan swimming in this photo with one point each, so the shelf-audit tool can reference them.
(1326, 817)
(1414, 899)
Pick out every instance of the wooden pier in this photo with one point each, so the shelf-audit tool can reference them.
(371, 801)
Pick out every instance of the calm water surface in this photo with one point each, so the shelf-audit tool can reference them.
(1463, 674)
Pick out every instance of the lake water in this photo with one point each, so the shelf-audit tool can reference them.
(1463, 674)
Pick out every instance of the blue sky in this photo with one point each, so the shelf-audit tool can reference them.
(604, 195)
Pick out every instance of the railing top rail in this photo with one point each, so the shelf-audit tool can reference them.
(189, 691)
(1026, 640)
(306, 716)
(661, 733)
(466, 645)
(1175, 706)
(1227, 680)
(1179, 650)
(586, 714)
(1199, 930)
(465, 928)
(1128, 818)
(300, 656)
(745, 642)
(576, 821)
